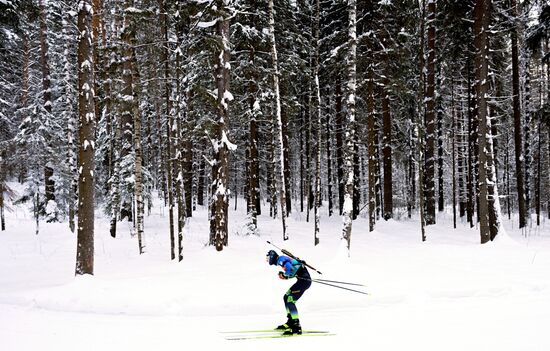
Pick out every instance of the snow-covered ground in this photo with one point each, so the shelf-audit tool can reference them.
(448, 293)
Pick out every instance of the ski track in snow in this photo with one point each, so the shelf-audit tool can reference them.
(449, 293)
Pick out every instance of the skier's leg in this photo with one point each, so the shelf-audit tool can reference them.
(293, 294)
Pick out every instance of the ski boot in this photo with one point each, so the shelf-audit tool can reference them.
(286, 325)
(295, 328)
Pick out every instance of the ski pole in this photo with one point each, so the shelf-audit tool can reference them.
(292, 256)
(336, 286)
(337, 282)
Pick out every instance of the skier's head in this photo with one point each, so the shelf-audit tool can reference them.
(271, 257)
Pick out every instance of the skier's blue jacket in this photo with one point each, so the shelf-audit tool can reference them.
(290, 266)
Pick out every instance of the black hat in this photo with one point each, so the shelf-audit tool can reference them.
(272, 257)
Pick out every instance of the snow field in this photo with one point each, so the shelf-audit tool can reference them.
(447, 293)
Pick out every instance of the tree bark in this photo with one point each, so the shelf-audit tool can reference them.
(339, 126)
(487, 197)
(430, 117)
(440, 183)
(47, 95)
(527, 138)
(2, 181)
(278, 119)
(349, 149)
(220, 190)
(169, 163)
(387, 154)
(371, 145)
(516, 105)
(253, 161)
(86, 111)
(329, 160)
(319, 127)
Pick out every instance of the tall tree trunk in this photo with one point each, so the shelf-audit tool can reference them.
(516, 104)
(329, 159)
(411, 174)
(371, 151)
(272, 167)
(339, 125)
(184, 144)
(309, 146)
(357, 161)
(133, 88)
(387, 154)
(528, 159)
(440, 184)
(420, 127)
(169, 162)
(86, 112)
(471, 157)
(538, 177)
(547, 45)
(430, 117)
(349, 149)
(2, 181)
(453, 152)
(127, 108)
(302, 163)
(507, 179)
(72, 125)
(278, 118)
(115, 179)
(378, 164)
(253, 161)
(138, 172)
(47, 95)
(201, 180)
(319, 126)
(487, 197)
(220, 190)
(286, 160)
(187, 162)
(461, 164)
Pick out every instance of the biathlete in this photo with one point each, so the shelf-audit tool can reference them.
(292, 268)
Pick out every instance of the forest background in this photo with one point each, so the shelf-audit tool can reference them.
(384, 109)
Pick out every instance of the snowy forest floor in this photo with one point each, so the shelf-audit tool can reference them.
(448, 293)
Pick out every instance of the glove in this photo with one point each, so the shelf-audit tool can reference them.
(282, 275)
